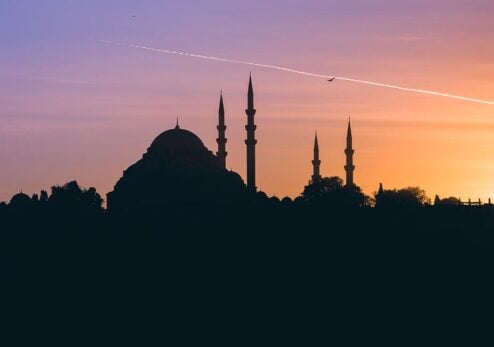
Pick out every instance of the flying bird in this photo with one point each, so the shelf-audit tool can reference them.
(286, 69)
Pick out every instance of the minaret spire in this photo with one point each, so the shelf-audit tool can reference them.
(221, 109)
(221, 140)
(250, 94)
(251, 139)
(349, 167)
(316, 177)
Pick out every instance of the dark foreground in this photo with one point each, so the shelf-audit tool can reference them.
(254, 275)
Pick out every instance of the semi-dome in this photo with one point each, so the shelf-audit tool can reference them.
(177, 140)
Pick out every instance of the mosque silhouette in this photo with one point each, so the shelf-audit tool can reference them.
(185, 240)
(178, 169)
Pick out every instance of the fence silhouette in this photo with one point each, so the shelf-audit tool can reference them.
(474, 203)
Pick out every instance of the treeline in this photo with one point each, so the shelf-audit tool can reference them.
(323, 205)
(333, 242)
(69, 200)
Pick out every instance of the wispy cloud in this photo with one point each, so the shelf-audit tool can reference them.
(305, 73)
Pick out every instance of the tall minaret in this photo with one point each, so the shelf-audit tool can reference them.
(349, 167)
(316, 177)
(221, 140)
(251, 139)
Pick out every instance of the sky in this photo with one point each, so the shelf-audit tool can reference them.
(74, 108)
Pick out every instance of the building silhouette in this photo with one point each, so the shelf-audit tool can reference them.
(316, 163)
(221, 140)
(20, 201)
(251, 141)
(178, 169)
(380, 191)
(349, 167)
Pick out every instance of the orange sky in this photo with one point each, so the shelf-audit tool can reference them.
(73, 108)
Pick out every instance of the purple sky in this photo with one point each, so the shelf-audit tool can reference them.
(74, 108)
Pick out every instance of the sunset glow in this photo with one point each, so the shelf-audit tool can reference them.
(75, 108)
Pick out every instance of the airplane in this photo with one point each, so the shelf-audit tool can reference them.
(331, 79)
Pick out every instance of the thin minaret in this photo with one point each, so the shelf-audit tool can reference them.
(379, 195)
(349, 167)
(221, 140)
(251, 139)
(381, 189)
(316, 163)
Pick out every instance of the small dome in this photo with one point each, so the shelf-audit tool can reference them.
(20, 199)
(177, 140)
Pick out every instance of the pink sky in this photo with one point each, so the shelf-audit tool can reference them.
(74, 108)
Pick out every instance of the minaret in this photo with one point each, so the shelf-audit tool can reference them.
(379, 195)
(251, 139)
(221, 140)
(316, 177)
(349, 167)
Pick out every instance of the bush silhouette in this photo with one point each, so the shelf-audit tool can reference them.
(410, 197)
(330, 191)
(71, 199)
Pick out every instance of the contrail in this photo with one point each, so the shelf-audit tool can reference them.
(280, 68)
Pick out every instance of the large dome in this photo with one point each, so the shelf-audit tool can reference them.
(177, 140)
(176, 171)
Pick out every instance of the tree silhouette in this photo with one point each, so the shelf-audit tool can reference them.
(3, 208)
(43, 197)
(409, 197)
(71, 199)
(92, 200)
(331, 191)
(451, 201)
(352, 196)
(325, 188)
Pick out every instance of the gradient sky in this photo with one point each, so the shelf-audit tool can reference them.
(75, 108)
